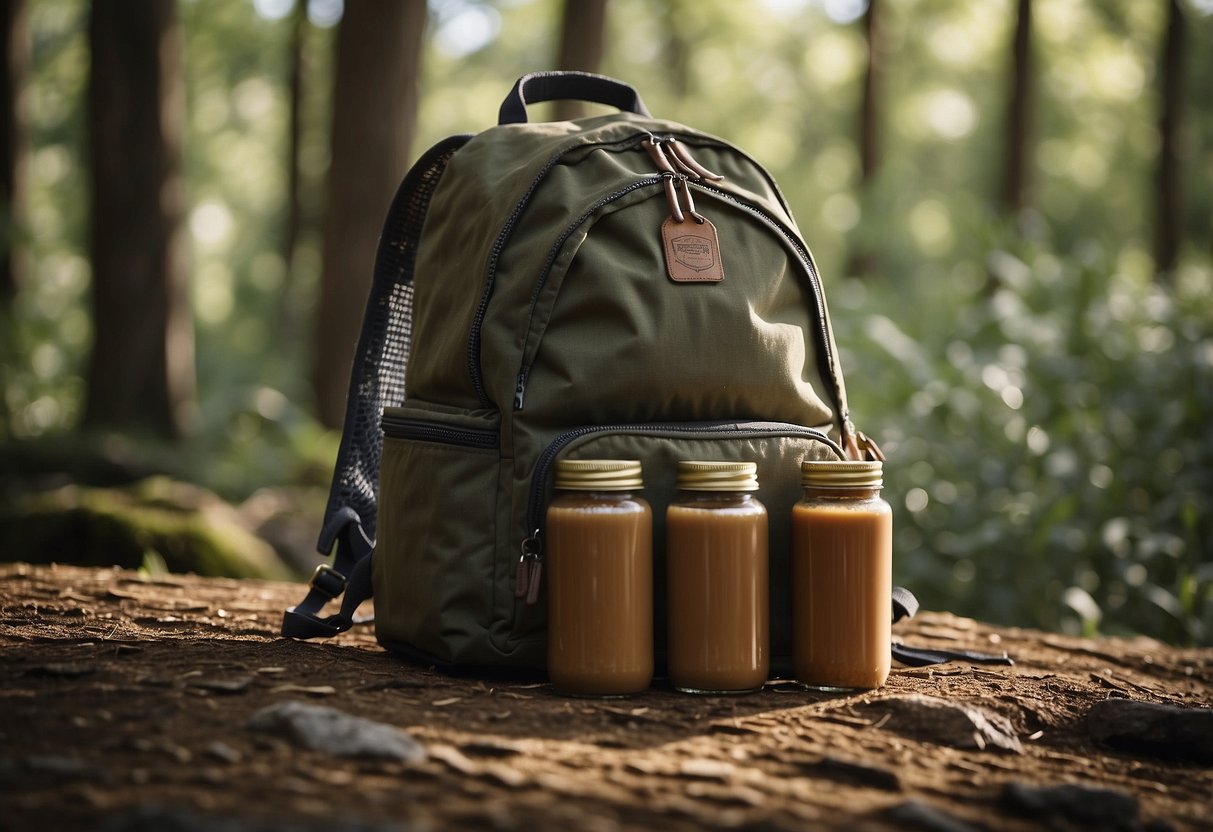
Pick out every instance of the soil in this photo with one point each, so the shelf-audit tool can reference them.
(126, 701)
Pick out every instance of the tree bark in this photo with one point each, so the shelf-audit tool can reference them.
(873, 86)
(863, 259)
(1016, 179)
(141, 372)
(676, 56)
(582, 46)
(1168, 219)
(374, 114)
(14, 156)
(287, 317)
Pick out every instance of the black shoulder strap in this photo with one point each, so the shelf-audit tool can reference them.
(376, 381)
(905, 605)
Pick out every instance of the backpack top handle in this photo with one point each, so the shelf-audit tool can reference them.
(581, 86)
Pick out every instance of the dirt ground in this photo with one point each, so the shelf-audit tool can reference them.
(124, 704)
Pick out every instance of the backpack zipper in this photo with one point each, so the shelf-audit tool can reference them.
(802, 255)
(520, 385)
(400, 427)
(473, 348)
(530, 561)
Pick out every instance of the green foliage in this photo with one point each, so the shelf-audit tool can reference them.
(1041, 398)
(1047, 438)
(155, 524)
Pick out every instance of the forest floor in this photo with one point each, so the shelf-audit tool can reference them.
(132, 703)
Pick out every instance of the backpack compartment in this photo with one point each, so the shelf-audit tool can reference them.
(777, 448)
(436, 560)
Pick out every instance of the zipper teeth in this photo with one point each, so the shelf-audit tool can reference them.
(553, 253)
(473, 350)
(803, 255)
(539, 477)
(412, 429)
(814, 282)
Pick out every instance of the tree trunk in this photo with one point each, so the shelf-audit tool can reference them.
(374, 113)
(14, 65)
(676, 56)
(1015, 180)
(287, 319)
(141, 373)
(1168, 219)
(582, 46)
(873, 85)
(863, 259)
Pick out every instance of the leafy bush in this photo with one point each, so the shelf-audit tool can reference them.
(1047, 429)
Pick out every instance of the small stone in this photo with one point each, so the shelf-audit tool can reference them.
(1165, 731)
(63, 670)
(921, 816)
(1085, 805)
(336, 733)
(310, 690)
(59, 766)
(948, 722)
(859, 773)
(237, 685)
(223, 751)
(707, 769)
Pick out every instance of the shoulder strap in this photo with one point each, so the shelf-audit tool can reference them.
(376, 380)
(905, 605)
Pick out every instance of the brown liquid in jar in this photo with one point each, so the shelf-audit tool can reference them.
(842, 588)
(719, 619)
(599, 563)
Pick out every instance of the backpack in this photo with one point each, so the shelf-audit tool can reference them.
(617, 286)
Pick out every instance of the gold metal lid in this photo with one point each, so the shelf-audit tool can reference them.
(599, 475)
(717, 476)
(841, 473)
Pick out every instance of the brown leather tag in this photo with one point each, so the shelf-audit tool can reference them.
(692, 251)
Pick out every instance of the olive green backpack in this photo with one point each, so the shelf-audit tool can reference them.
(615, 286)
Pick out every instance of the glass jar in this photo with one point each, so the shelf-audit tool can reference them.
(717, 571)
(842, 577)
(599, 561)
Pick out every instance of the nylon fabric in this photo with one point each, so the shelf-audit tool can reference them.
(541, 324)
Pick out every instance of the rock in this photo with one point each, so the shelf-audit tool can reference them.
(187, 528)
(62, 670)
(176, 819)
(707, 769)
(235, 685)
(1088, 806)
(336, 733)
(921, 816)
(223, 751)
(60, 766)
(947, 722)
(848, 771)
(1166, 731)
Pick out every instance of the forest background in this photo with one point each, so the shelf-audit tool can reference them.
(1011, 202)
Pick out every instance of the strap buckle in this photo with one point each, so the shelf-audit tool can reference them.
(328, 580)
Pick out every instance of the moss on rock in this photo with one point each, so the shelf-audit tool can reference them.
(188, 528)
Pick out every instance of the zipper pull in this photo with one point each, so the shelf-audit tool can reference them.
(683, 159)
(520, 390)
(530, 569)
(652, 145)
(522, 578)
(867, 445)
(532, 593)
(686, 192)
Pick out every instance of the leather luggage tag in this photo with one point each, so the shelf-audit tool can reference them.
(692, 251)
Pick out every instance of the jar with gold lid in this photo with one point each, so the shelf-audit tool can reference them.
(599, 563)
(842, 577)
(717, 573)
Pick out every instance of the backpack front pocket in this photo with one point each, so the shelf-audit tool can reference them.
(435, 554)
(777, 448)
